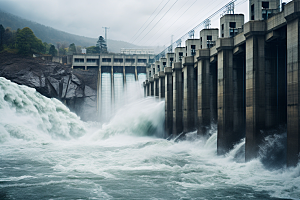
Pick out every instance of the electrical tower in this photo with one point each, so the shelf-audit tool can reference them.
(178, 42)
(106, 28)
(230, 8)
(191, 34)
(171, 46)
(207, 23)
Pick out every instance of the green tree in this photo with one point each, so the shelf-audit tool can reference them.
(26, 41)
(47, 47)
(52, 50)
(101, 44)
(63, 49)
(2, 31)
(72, 48)
(92, 49)
(9, 38)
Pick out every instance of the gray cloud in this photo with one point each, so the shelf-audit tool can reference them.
(124, 17)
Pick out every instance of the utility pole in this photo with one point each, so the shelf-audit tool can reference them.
(106, 28)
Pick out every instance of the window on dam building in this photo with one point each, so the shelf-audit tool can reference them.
(132, 60)
(142, 60)
(106, 59)
(118, 60)
(80, 60)
(91, 60)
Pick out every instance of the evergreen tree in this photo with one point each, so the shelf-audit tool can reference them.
(101, 44)
(2, 31)
(52, 50)
(26, 41)
(72, 48)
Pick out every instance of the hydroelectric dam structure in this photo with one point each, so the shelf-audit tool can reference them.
(245, 78)
(115, 73)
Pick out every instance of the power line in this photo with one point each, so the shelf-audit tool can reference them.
(159, 20)
(147, 20)
(211, 16)
(152, 19)
(176, 19)
(193, 17)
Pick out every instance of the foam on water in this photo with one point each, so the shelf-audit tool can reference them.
(27, 115)
(45, 147)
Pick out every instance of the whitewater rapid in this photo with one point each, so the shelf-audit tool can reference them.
(47, 152)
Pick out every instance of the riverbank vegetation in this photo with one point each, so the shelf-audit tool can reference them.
(23, 41)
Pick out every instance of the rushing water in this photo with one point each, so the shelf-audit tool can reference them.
(46, 152)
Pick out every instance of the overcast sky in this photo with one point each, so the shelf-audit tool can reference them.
(142, 22)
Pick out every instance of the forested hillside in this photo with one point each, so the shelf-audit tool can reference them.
(53, 36)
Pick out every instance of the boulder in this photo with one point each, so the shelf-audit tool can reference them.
(76, 88)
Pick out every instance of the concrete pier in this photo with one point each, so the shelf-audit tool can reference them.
(177, 98)
(151, 86)
(225, 94)
(239, 95)
(147, 88)
(203, 94)
(155, 85)
(213, 100)
(255, 86)
(168, 101)
(161, 85)
(292, 15)
(189, 96)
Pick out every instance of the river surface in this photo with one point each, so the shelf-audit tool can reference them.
(47, 152)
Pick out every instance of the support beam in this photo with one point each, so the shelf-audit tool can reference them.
(112, 88)
(213, 82)
(226, 137)
(203, 95)
(177, 99)
(292, 15)
(255, 87)
(151, 86)
(147, 88)
(161, 85)
(155, 85)
(168, 101)
(188, 94)
(99, 95)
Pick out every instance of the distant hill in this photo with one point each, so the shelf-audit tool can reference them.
(51, 35)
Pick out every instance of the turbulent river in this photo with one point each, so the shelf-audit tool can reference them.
(47, 152)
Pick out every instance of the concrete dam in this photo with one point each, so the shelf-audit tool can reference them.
(116, 74)
(242, 77)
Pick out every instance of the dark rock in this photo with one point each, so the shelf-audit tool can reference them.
(76, 88)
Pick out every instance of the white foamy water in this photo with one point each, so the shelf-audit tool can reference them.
(46, 152)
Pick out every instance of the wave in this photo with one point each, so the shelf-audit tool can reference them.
(27, 115)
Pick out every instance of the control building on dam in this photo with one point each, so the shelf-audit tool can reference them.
(115, 72)
(245, 78)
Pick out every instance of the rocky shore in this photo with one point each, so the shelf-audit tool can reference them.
(75, 88)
